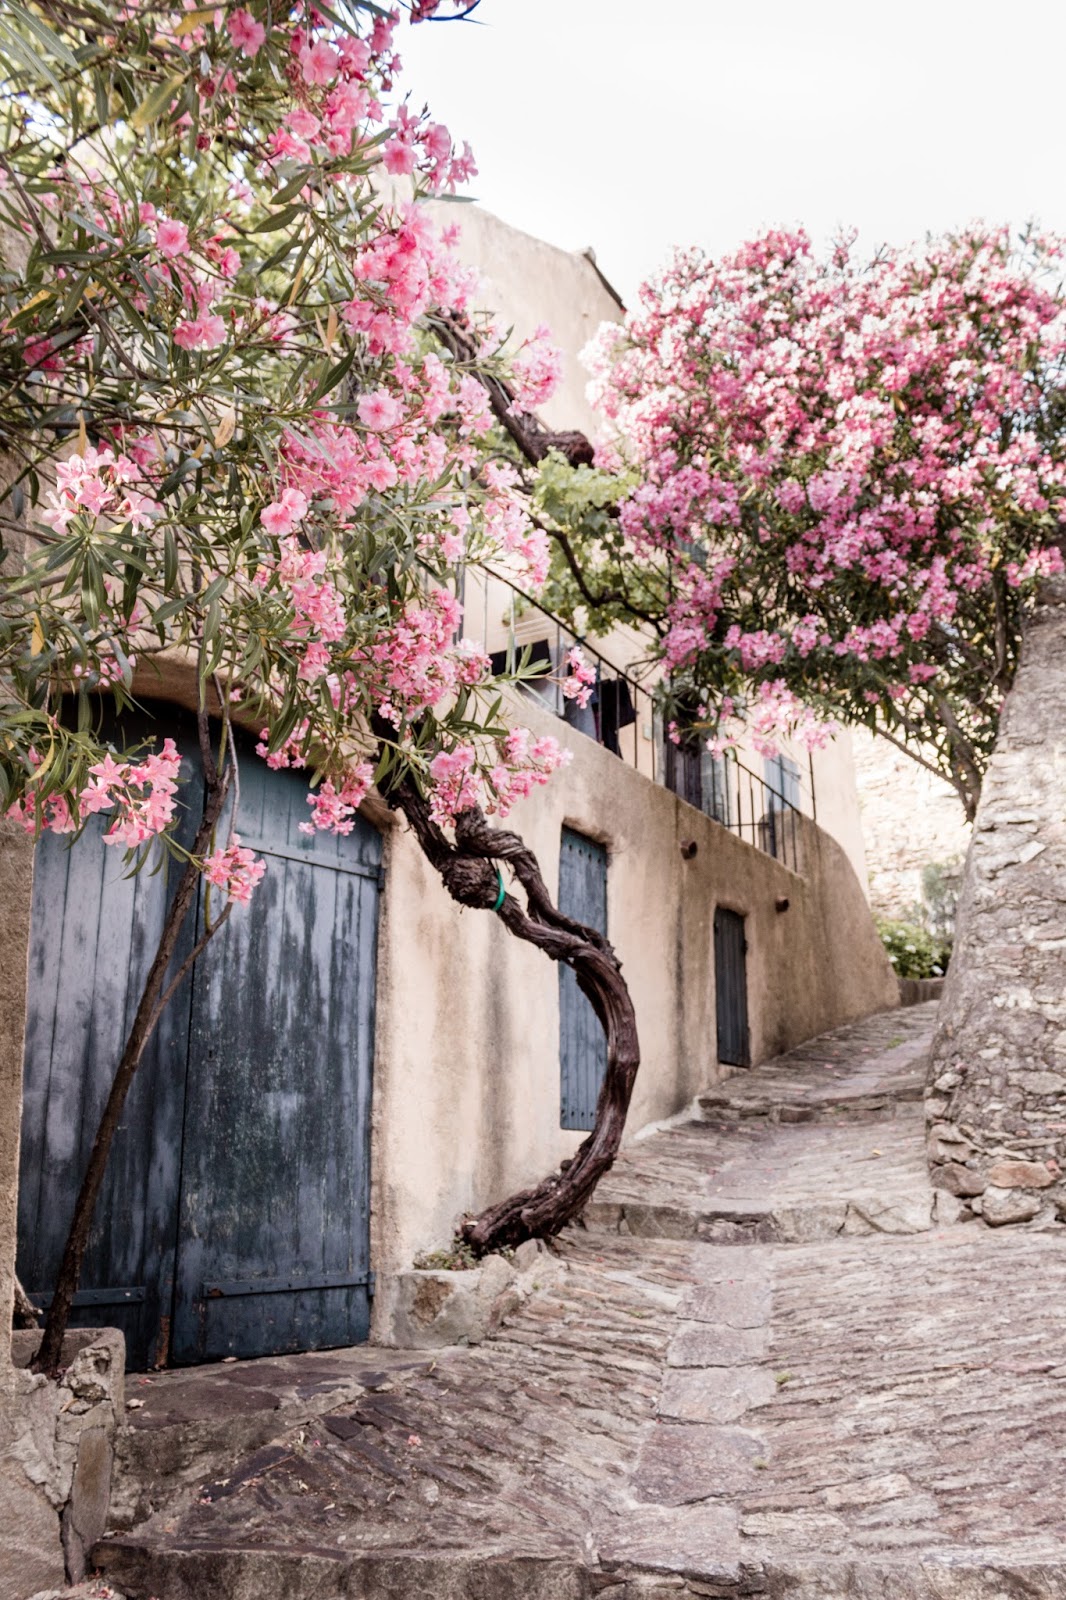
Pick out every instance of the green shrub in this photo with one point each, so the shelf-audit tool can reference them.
(912, 950)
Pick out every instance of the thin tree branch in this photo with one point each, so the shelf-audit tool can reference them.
(190, 961)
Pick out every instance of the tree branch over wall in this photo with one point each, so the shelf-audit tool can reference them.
(468, 870)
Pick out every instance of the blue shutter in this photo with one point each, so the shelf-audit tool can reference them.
(782, 775)
(582, 1044)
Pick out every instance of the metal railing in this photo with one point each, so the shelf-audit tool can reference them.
(723, 788)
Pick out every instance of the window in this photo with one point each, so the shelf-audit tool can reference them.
(782, 775)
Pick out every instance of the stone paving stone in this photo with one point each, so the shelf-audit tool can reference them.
(714, 1394)
(697, 1541)
(711, 1344)
(683, 1462)
(744, 1303)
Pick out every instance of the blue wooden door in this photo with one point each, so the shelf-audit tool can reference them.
(235, 1215)
(582, 1045)
(274, 1221)
(731, 987)
(94, 933)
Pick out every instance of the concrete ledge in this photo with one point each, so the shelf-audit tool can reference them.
(916, 991)
(426, 1309)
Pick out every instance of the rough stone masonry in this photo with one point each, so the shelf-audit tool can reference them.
(996, 1099)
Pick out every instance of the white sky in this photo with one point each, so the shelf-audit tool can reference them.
(634, 125)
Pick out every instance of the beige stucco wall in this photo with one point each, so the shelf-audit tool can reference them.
(529, 282)
(466, 1095)
(836, 801)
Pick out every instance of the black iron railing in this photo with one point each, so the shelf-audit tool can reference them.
(623, 717)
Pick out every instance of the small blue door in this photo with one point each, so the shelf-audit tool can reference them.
(235, 1213)
(582, 1044)
(731, 987)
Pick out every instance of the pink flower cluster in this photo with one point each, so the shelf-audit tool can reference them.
(840, 459)
(333, 809)
(417, 662)
(509, 526)
(99, 485)
(524, 764)
(317, 617)
(416, 145)
(141, 793)
(236, 870)
(581, 677)
(537, 369)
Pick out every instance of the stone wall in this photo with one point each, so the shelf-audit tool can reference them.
(996, 1104)
(57, 1443)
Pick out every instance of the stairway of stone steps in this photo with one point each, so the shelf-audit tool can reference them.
(765, 1366)
(823, 1141)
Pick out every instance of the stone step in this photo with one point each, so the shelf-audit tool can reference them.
(848, 1104)
(801, 1222)
(171, 1572)
(716, 1562)
(186, 1424)
(760, 1181)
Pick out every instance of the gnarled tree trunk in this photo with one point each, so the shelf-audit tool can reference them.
(468, 869)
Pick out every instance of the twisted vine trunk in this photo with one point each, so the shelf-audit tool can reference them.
(468, 869)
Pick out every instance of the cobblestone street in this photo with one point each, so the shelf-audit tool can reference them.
(770, 1366)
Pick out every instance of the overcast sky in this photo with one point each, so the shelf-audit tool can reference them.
(633, 126)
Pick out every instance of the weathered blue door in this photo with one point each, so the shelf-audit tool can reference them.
(582, 1045)
(274, 1217)
(235, 1216)
(731, 987)
(94, 932)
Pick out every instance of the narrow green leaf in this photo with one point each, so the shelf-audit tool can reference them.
(333, 376)
(155, 104)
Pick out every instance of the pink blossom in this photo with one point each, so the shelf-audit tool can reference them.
(281, 516)
(246, 33)
(172, 239)
(582, 677)
(379, 410)
(200, 333)
(333, 809)
(537, 369)
(236, 870)
(319, 62)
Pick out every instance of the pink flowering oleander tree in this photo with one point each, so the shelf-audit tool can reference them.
(246, 420)
(844, 481)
